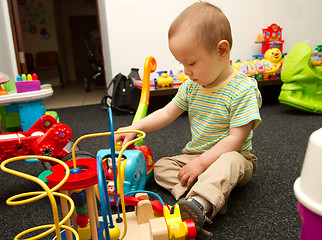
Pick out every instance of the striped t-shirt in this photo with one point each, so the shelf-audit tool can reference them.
(212, 111)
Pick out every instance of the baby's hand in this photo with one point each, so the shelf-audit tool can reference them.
(190, 172)
(124, 137)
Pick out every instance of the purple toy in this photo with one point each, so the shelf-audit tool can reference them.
(308, 189)
(28, 86)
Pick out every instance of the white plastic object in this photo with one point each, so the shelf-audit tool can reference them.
(308, 187)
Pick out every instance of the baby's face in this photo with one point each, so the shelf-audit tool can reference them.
(201, 65)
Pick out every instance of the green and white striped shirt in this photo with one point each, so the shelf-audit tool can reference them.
(212, 111)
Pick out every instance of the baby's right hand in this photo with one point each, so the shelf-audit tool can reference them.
(124, 137)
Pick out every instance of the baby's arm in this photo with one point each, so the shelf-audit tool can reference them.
(152, 122)
(233, 142)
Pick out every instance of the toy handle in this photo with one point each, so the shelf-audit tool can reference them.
(118, 146)
(316, 63)
(150, 66)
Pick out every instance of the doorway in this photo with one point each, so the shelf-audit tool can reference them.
(81, 27)
(56, 25)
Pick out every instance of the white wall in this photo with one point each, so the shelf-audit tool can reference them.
(7, 60)
(134, 30)
(138, 29)
(102, 7)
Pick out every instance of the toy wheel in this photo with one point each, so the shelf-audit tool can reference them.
(68, 156)
(87, 84)
(78, 154)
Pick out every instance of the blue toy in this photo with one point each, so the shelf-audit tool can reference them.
(136, 175)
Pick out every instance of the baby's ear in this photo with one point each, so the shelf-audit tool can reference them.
(223, 48)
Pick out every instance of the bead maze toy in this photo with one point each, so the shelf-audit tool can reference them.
(302, 80)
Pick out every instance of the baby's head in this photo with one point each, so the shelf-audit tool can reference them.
(200, 39)
(206, 22)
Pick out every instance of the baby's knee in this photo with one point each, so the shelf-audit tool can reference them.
(231, 157)
(239, 165)
(158, 166)
(231, 154)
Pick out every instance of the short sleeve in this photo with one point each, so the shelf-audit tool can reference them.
(181, 98)
(245, 108)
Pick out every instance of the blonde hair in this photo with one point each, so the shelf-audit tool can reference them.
(206, 21)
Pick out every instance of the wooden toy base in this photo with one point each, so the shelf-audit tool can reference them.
(134, 230)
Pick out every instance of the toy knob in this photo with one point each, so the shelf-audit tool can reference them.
(118, 146)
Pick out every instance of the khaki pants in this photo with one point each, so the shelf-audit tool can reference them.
(214, 184)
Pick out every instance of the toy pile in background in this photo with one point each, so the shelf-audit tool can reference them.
(166, 80)
(269, 63)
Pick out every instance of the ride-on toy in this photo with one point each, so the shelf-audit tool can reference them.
(302, 80)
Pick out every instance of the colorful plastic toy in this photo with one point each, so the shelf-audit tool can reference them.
(138, 168)
(23, 106)
(45, 138)
(273, 62)
(3, 79)
(150, 65)
(260, 69)
(139, 157)
(268, 66)
(165, 80)
(302, 80)
(308, 189)
(271, 37)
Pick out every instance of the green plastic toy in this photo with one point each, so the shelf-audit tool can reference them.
(302, 80)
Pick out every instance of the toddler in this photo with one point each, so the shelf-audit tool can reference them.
(223, 108)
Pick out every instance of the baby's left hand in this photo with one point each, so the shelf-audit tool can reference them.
(189, 173)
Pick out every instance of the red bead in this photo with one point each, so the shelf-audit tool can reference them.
(82, 220)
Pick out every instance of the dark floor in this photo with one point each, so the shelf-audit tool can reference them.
(263, 209)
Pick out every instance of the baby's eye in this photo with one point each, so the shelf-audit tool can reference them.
(191, 64)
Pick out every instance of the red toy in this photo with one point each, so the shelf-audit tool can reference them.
(86, 177)
(272, 35)
(45, 137)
